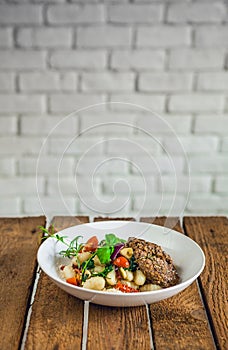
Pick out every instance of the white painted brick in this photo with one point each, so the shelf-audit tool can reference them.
(191, 144)
(165, 82)
(128, 184)
(21, 186)
(67, 103)
(20, 14)
(221, 184)
(45, 37)
(131, 13)
(196, 103)
(6, 37)
(22, 103)
(160, 164)
(7, 82)
(138, 59)
(225, 144)
(213, 81)
(8, 125)
(163, 36)
(50, 206)
(76, 145)
(46, 165)
(196, 12)
(138, 145)
(164, 124)
(214, 164)
(207, 203)
(48, 124)
(184, 184)
(104, 36)
(9, 206)
(20, 145)
(203, 59)
(107, 81)
(7, 166)
(17, 59)
(73, 186)
(215, 124)
(71, 14)
(102, 165)
(137, 102)
(47, 81)
(216, 36)
(78, 59)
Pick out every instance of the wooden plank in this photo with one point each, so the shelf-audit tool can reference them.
(57, 318)
(211, 233)
(180, 322)
(19, 244)
(103, 218)
(118, 328)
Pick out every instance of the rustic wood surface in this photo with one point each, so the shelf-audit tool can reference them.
(182, 318)
(117, 328)
(19, 243)
(211, 233)
(57, 317)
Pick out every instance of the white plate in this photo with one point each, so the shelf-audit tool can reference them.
(187, 256)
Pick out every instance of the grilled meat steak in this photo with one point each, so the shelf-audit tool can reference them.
(156, 265)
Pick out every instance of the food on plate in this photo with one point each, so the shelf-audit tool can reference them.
(116, 265)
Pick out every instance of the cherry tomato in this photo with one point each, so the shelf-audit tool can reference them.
(72, 280)
(91, 245)
(121, 261)
(125, 289)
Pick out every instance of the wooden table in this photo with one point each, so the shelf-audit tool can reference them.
(35, 314)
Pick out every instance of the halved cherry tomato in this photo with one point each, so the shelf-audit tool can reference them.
(121, 261)
(72, 280)
(91, 245)
(125, 289)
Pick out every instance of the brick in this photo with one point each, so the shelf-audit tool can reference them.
(20, 14)
(216, 36)
(137, 102)
(138, 59)
(221, 184)
(71, 14)
(204, 203)
(8, 125)
(27, 60)
(184, 184)
(166, 124)
(135, 13)
(44, 37)
(15, 145)
(132, 145)
(225, 144)
(165, 82)
(46, 165)
(7, 82)
(203, 59)
(78, 59)
(77, 146)
(73, 186)
(48, 125)
(21, 186)
(68, 103)
(49, 206)
(7, 166)
(196, 103)
(191, 144)
(125, 184)
(104, 36)
(107, 82)
(47, 81)
(102, 165)
(213, 81)
(22, 103)
(163, 36)
(160, 164)
(10, 206)
(215, 124)
(198, 12)
(6, 37)
(215, 164)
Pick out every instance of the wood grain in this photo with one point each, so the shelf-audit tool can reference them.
(57, 318)
(179, 322)
(118, 328)
(211, 233)
(19, 244)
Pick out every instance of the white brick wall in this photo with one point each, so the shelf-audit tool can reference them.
(115, 63)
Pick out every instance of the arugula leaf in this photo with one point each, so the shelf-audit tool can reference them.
(112, 239)
(104, 254)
